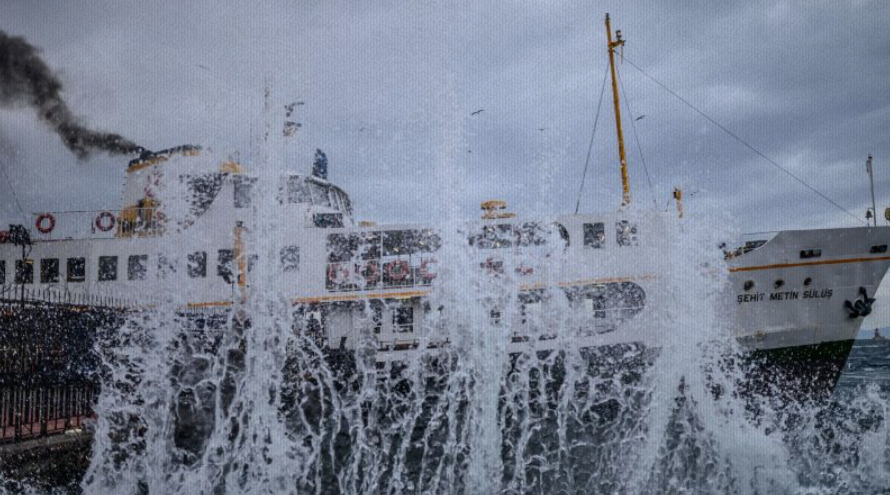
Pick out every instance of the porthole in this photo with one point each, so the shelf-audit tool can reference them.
(779, 283)
(807, 281)
(749, 284)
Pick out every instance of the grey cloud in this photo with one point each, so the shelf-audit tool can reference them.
(807, 86)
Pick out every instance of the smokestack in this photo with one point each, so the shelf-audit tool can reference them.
(25, 80)
(320, 165)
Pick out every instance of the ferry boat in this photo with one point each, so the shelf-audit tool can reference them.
(800, 295)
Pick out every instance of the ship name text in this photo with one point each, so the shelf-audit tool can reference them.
(790, 295)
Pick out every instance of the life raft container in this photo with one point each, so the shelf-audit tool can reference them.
(43, 227)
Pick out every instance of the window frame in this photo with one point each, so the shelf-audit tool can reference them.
(132, 274)
(49, 274)
(71, 269)
(594, 235)
(107, 269)
(403, 319)
(289, 257)
(20, 271)
(225, 265)
(196, 264)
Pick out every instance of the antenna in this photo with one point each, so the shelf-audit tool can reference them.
(874, 212)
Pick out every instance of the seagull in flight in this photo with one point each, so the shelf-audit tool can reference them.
(639, 118)
(477, 112)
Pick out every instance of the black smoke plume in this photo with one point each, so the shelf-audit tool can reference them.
(26, 80)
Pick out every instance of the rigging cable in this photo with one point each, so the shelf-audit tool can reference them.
(743, 142)
(637, 137)
(592, 134)
(12, 189)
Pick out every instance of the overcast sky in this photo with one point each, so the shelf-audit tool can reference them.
(390, 88)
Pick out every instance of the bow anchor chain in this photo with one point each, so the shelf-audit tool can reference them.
(862, 306)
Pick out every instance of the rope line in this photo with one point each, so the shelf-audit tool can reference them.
(743, 142)
(637, 138)
(592, 134)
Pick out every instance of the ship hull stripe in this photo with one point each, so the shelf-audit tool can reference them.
(808, 263)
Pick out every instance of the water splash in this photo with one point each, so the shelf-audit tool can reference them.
(245, 400)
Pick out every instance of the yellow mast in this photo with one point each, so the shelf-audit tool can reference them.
(612, 45)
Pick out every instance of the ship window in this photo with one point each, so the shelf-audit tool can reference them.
(343, 199)
(428, 241)
(377, 317)
(2, 272)
(290, 258)
(49, 271)
(243, 190)
(810, 253)
(749, 284)
(342, 247)
(137, 267)
(197, 264)
(626, 233)
(751, 246)
(530, 234)
(328, 220)
(107, 268)
(493, 237)
(563, 233)
(24, 271)
(166, 266)
(320, 195)
(224, 265)
(879, 249)
(76, 269)
(403, 319)
(369, 245)
(494, 316)
(298, 190)
(396, 242)
(595, 235)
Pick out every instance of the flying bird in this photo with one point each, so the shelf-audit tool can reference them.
(639, 118)
(477, 112)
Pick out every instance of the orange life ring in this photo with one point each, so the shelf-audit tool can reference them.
(425, 274)
(45, 229)
(100, 221)
(397, 270)
(371, 272)
(337, 274)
